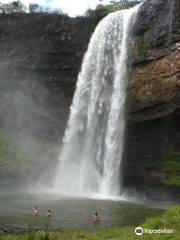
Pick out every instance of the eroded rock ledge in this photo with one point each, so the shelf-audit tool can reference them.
(154, 87)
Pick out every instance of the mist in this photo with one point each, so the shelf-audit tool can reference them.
(31, 121)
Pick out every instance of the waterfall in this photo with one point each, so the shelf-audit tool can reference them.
(90, 158)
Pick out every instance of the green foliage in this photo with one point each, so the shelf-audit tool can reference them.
(102, 10)
(19, 7)
(126, 3)
(13, 7)
(171, 165)
(31, 236)
(43, 235)
(173, 158)
(169, 220)
(34, 8)
(172, 181)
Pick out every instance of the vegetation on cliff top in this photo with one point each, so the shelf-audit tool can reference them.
(19, 7)
(170, 220)
(101, 9)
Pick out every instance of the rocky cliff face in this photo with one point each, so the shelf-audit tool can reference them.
(154, 87)
(40, 57)
(152, 146)
(151, 158)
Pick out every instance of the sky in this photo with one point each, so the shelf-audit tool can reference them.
(71, 7)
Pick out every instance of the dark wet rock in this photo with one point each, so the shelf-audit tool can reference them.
(154, 82)
(40, 57)
(153, 102)
(151, 157)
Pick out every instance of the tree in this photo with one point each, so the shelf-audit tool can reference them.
(18, 6)
(115, 5)
(126, 3)
(34, 7)
(15, 6)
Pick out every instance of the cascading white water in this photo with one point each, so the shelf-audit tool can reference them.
(92, 146)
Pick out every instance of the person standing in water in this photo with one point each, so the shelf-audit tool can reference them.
(48, 213)
(96, 218)
(35, 211)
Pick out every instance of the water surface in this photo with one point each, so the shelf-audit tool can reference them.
(16, 208)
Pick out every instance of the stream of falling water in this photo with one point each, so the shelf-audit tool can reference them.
(90, 159)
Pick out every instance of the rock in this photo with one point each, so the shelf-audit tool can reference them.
(153, 101)
(40, 57)
(149, 146)
(154, 80)
(154, 87)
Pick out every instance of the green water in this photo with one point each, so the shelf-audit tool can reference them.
(16, 208)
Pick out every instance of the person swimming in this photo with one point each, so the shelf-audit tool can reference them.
(35, 211)
(96, 218)
(48, 213)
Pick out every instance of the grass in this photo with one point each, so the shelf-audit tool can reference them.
(169, 220)
(171, 165)
(172, 181)
(173, 158)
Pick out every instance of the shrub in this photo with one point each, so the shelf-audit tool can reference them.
(102, 10)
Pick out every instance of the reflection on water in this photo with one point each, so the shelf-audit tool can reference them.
(71, 213)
